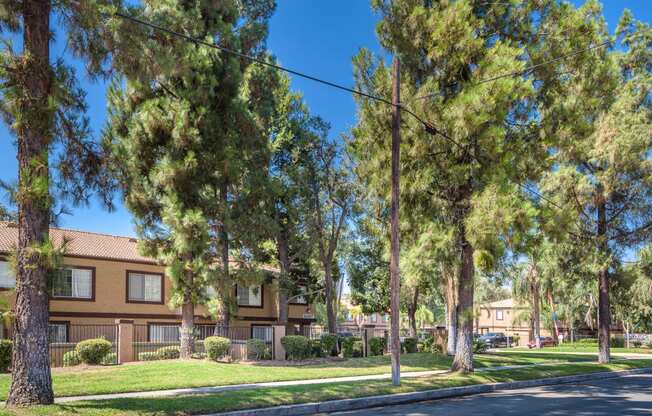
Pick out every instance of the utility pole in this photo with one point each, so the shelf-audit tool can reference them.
(394, 269)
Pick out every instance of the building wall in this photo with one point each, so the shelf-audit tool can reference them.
(110, 300)
(488, 322)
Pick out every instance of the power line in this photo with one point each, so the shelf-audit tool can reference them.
(522, 71)
(428, 126)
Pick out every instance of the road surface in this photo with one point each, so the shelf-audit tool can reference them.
(626, 396)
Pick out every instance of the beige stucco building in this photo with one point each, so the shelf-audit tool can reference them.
(104, 278)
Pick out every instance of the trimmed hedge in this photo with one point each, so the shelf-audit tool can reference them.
(216, 347)
(71, 359)
(297, 347)
(352, 347)
(329, 344)
(148, 356)
(91, 351)
(409, 345)
(110, 359)
(257, 349)
(168, 353)
(6, 347)
(377, 345)
(317, 348)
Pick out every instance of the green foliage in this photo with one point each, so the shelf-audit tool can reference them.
(71, 359)
(92, 351)
(430, 345)
(617, 342)
(317, 348)
(257, 349)
(297, 347)
(377, 345)
(168, 353)
(110, 359)
(6, 350)
(216, 347)
(352, 347)
(479, 347)
(329, 343)
(637, 343)
(148, 356)
(409, 345)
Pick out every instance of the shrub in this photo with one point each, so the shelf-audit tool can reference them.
(198, 355)
(516, 339)
(71, 359)
(617, 342)
(216, 347)
(329, 344)
(110, 359)
(377, 345)
(436, 348)
(409, 345)
(91, 351)
(6, 347)
(649, 344)
(317, 348)
(257, 349)
(637, 343)
(479, 347)
(168, 353)
(148, 356)
(352, 347)
(297, 347)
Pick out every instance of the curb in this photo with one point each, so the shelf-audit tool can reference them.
(411, 397)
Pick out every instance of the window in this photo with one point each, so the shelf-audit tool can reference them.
(386, 318)
(251, 296)
(58, 332)
(144, 287)
(261, 332)
(73, 283)
(374, 318)
(164, 333)
(500, 315)
(7, 278)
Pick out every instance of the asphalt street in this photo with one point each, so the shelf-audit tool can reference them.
(628, 396)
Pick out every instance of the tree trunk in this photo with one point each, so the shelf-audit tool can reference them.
(328, 286)
(224, 321)
(463, 360)
(451, 311)
(187, 320)
(604, 314)
(412, 312)
(536, 306)
(284, 261)
(31, 380)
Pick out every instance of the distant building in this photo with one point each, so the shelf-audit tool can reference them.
(507, 317)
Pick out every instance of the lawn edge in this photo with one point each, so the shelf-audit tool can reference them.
(412, 397)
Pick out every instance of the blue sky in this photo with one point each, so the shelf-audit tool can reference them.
(316, 37)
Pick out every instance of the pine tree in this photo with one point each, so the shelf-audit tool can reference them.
(168, 132)
(44, 108)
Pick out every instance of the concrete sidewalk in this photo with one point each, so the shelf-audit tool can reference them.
(218, 389)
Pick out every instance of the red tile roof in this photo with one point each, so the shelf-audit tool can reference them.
(81, 244)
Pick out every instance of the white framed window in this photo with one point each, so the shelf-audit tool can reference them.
(144, 287)
(58, 332)
(386, 318)
(7, 278)
(373, 317)
(500, 315)
(73, 283)
(164, 333)
(251, 296)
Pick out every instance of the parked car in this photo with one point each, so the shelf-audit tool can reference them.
(494, 339)
(544, 341)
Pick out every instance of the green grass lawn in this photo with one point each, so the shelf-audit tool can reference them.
(170, 374)
(589, 348)
(274, 396)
